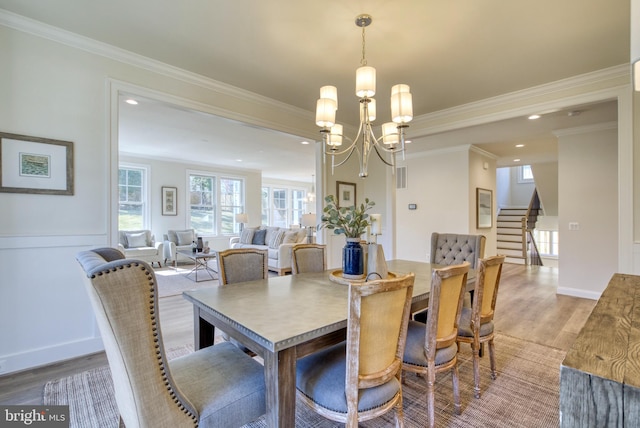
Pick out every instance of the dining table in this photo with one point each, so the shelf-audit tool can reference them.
(283, 318)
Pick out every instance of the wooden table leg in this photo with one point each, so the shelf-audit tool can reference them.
(203, 331)
(280, 378)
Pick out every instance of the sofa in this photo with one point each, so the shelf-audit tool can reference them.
(277, 241)
(177, 240)
(141, 245)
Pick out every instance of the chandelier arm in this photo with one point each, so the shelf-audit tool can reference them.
(380, 156)
(354, 148)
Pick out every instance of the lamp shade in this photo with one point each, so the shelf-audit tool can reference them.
(325, 112)
(365, 81)
(335, 136)
(242, 218)
(330, 92)
(390, 133)
(401, 104)
(308, 220)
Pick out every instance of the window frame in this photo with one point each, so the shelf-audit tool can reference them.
(217, 201)
(290, 211)
(146, 200)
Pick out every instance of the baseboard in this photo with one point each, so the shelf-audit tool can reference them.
(45, 356)
(576, 292)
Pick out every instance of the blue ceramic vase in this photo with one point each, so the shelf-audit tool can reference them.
(353, 259)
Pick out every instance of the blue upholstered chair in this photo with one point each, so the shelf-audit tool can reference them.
(218, 386)
(432, 348)
(476, 322)
(359, 379)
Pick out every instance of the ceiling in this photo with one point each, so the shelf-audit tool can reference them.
(450, 53)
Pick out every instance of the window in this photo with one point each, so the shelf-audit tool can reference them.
(547, 242)
(214, 202)
(231, 203)
(202, 208)
(525, 175)
(282, 206)
(132, 197)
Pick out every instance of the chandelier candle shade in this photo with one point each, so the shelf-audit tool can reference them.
(392, 137)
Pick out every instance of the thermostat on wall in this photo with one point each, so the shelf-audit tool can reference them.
(413, 206)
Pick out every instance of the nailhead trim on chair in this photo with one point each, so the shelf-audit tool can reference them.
(156, 338)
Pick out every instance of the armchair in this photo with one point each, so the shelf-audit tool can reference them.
(141, 245)
(175, 240)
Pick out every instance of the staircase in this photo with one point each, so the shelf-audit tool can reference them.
(515, 233)
(512, 235)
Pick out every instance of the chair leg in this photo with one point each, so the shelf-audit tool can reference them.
(431, 380)
(492, 359)
(456, 389)
(399, 413)
(476, 369)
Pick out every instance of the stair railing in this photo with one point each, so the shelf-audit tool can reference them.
(532, 217)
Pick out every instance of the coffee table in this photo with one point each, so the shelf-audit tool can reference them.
(200, 260)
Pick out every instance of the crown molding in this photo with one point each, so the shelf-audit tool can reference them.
(523, 102)
(55, 34)
(587, 129)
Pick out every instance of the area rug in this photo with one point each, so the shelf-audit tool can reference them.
(525, 393)
(173, 281)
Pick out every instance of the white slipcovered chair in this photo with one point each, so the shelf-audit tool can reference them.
(141, 245)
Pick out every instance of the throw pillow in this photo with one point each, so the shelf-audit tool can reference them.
(137, 240)
(185, 238)
(259, 236)
(247, 235)
(290, 237)
(276, 239)
(270, 232)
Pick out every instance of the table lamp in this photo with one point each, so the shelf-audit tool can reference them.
(242, 218)
(309, 221)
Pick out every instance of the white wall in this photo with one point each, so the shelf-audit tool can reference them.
(438, 183)
(587, 174)
(57, 91)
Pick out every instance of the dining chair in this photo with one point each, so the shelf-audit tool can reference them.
(454, 249)
(241, 265)
(476, 323)
(360, 378)
(308, 258)
(432, 348)
(212, 387)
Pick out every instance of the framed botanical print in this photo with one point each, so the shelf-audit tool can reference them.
(169, 201)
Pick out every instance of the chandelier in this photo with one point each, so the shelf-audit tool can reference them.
(392, 136)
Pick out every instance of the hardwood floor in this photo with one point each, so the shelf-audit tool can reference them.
(527, 307)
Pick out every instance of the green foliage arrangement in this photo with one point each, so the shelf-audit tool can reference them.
(350, 221)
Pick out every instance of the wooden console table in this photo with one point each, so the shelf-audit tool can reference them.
(600, 375)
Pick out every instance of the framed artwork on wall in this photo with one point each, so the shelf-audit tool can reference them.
(345, 193)
(169, 201)
(484, 208)
(35, 165)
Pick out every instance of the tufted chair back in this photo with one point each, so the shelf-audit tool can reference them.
(454, 249)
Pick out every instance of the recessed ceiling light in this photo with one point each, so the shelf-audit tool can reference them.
(131, 101)
(407, 141)
(534, 116)
(519, 145)
(238, 160)
(304, 143)
(516, 160)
